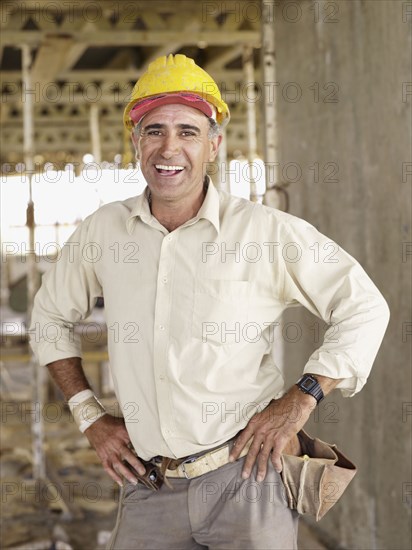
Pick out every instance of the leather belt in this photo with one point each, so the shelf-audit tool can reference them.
(195, 466)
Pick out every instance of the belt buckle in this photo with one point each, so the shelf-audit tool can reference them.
(188, 460)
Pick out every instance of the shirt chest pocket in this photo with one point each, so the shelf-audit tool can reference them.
(220, 310)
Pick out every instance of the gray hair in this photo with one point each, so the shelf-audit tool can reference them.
(137, 128)
(214, 129)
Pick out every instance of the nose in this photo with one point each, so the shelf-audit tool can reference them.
(170, 146)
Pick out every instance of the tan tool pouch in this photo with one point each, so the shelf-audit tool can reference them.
(315, 481)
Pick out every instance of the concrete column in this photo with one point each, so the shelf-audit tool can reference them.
(351, 135)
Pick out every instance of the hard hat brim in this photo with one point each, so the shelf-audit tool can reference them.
(190, 100)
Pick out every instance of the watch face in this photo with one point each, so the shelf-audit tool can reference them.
(308, 383)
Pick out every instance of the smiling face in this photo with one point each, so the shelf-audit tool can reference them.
(173, 149)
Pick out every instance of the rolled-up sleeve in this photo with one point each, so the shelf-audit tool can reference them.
(67, 295)
(333, 286)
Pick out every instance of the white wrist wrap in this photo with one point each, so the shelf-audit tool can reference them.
(86, 409)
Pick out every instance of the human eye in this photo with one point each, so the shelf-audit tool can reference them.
(152, 130)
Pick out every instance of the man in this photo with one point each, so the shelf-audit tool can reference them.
(193, 282)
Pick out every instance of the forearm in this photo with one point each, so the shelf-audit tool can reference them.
(327, 384)
(305, 400)
(108, 435)
(69, 376)
(274, 429)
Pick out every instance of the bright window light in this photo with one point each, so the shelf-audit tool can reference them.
(87, 158)
(241, 173)
(14, 199)
(61, 199)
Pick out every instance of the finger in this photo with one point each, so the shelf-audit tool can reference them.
(129, 457)
(114, 475)
(251, 458)
(262, 460)
(276, 457)
(277, 462)
(240, 442)
(124, 471)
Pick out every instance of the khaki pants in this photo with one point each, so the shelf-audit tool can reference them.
(218, 510)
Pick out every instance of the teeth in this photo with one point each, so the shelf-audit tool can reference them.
(171, 168)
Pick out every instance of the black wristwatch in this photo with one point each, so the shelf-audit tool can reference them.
(309, 384)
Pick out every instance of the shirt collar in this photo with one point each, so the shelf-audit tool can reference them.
(208, 211)
(210, 206)
(141, 210)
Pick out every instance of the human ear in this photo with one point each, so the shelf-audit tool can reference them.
(214, 147)
(135, 141)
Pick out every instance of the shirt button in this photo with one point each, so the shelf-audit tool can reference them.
(161, 377)
(161, 327)
(170, 238)
(164, 279)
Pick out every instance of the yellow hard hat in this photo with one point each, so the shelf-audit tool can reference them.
(175, 79)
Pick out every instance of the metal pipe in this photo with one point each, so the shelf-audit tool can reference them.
(95, 139)
(28, 150)
(251, 122)
(223, 175)
(95, 133)
(37, 426)
(5, 282)
(274, 194)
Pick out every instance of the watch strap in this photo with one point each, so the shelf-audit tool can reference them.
(308, 384)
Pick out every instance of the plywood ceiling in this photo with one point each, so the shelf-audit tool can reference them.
(87, 52)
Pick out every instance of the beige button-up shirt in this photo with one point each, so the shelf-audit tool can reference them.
(192, 314)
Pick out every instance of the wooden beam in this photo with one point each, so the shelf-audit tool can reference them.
(157, 5)
(51, 94)
(115, 75)
(221, 59)
(123, 59)
(6, 9)
(50, 58)
(172, 47)
(158, 52)
(73, 55)
(115, 38)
